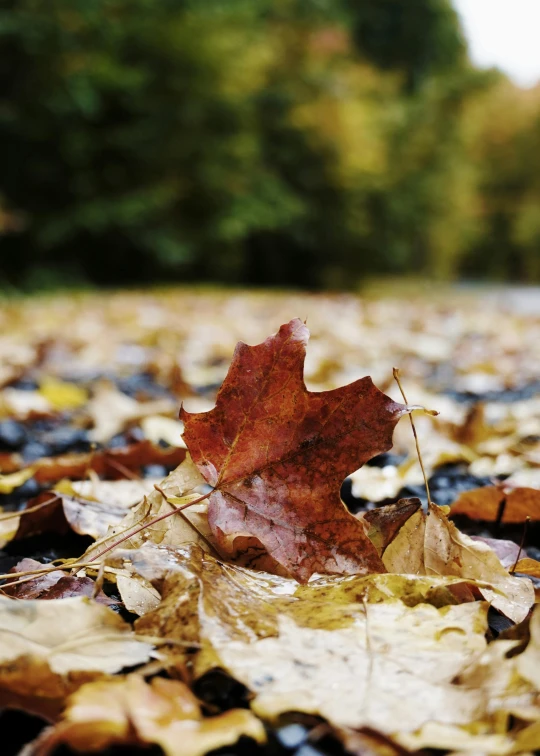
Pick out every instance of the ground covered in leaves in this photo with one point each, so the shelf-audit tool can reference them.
(261, 571)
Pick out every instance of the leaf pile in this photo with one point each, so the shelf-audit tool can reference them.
(241, 578)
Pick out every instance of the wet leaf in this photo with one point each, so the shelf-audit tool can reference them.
(49, 648)
(74, 634)
(276, 455)
(432, 545)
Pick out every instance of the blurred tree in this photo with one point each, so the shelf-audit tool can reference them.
(304, 142)
(418, 39)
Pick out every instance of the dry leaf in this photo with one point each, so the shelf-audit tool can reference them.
(129, 711)
(157, 428)
(528, 567)
(276, 456)
(432, 545)
(91, 507)
(111, 411)
(484, 503)
(9, 483)
(528, 663)
(182, 528)
(73, 634)
(49, 648)
(62, 395)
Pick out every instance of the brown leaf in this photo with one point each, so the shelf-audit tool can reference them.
(129, 711)
(483, 504)
(108, 463)
(52, 585)
(385, 522)
(276, 455)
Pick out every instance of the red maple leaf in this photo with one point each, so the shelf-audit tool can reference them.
(276, 455)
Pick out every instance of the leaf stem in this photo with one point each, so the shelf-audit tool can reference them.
(395, 372)
(149, 524)
(522, 543)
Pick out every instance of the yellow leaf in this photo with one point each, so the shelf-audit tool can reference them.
(432, 545)
(129, 711)
(62, 395)
(9, 483)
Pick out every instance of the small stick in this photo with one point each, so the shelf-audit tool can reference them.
(522, 542)
(35, 508)
(396, 377)
(188, 521)
(126, 472)
(500, 515)
(149, 524)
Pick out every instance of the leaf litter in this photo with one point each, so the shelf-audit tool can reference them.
(377, 620)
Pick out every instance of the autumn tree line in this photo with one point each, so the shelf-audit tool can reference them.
(302, 142)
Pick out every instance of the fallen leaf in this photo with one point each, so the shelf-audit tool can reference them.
(432, 545)
(385, 522)
(73, 634)
(91, 507)
(185, 527)
(507, 551)
(528, 663)
(42, 514)
(52, 585)
(528, 567)
(108, 463)
(483, 504)
(49, 648)
(62, 395)
(9, 483)
(199, 592)
(22, 404)
(157, 428)
(111, 411)
(325, 647)
(276, 456)
(128, 711)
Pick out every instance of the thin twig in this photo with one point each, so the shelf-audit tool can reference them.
(396, 377)
(191, 524)
(522, 542)
(35, 508)
(149, 525)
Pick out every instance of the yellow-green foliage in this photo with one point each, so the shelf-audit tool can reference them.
(262, 141)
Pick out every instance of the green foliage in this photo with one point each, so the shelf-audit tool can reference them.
(265, 141)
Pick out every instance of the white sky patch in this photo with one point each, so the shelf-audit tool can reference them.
(506, 34)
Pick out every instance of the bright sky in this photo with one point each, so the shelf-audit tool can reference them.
(506, 34)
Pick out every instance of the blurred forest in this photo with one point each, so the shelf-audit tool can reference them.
(301, 142)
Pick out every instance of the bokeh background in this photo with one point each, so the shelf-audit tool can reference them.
(304, 143)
